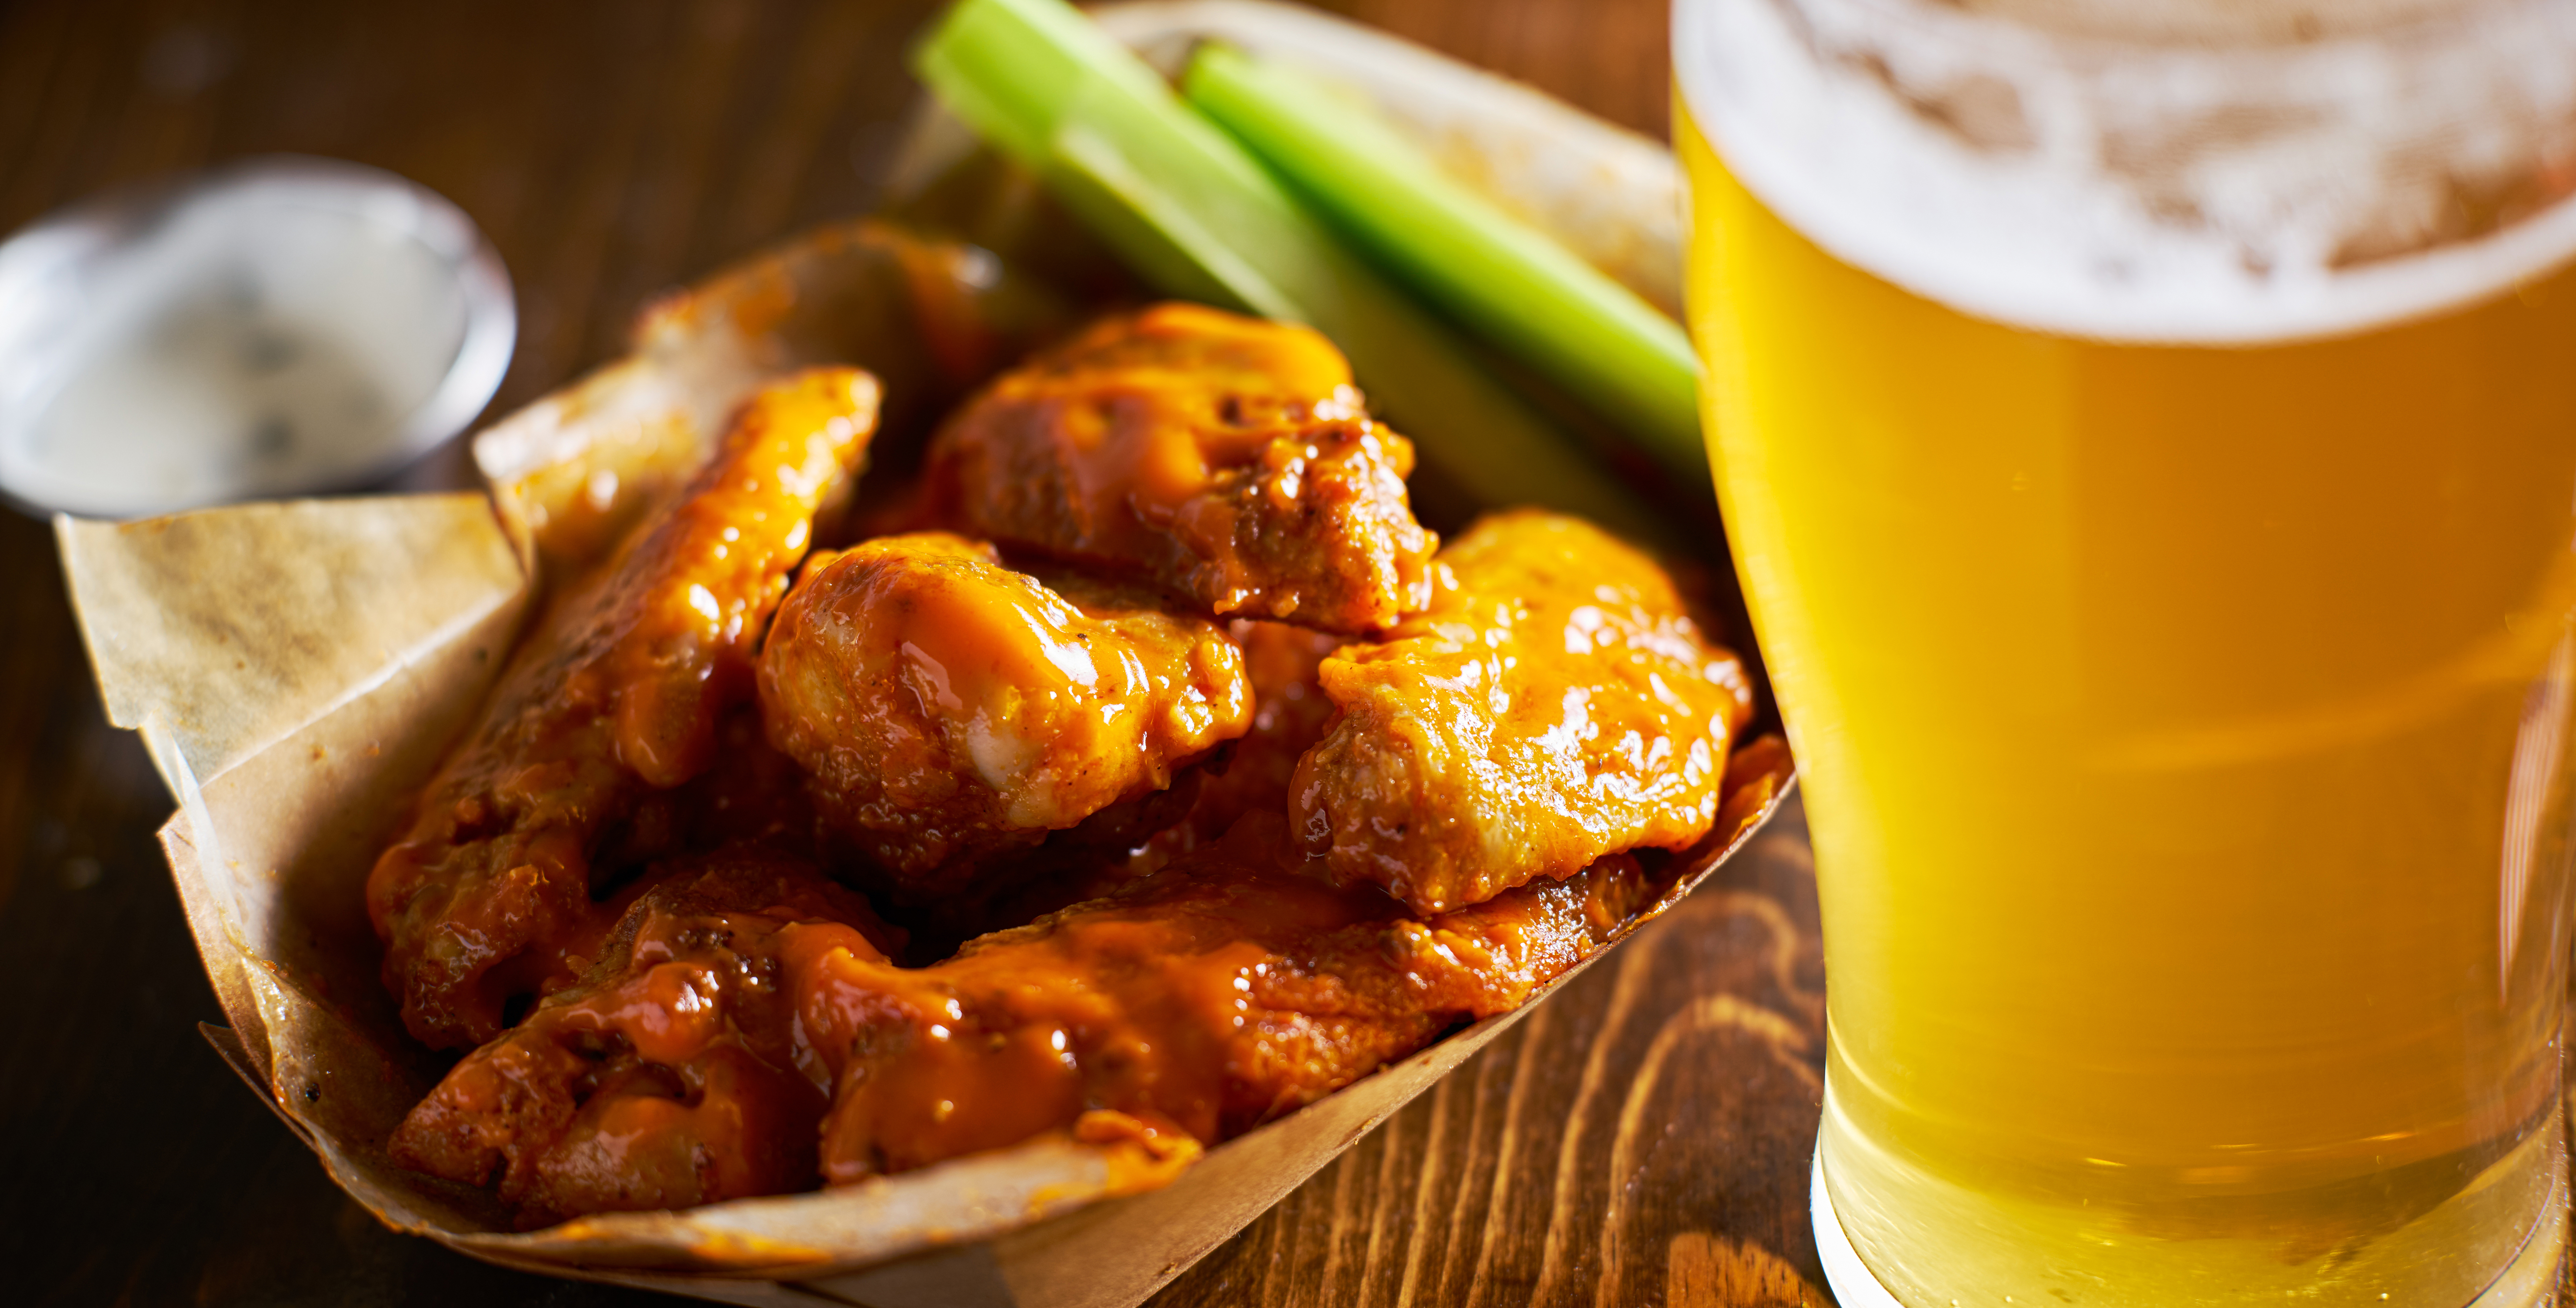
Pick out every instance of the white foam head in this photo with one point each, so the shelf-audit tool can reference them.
(2217, 171)
(2210, 22)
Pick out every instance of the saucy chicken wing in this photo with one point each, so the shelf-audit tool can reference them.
(1225, 458)
(948, 708)
(1207, 998)
(1555, 703)
(672, 1075)
(618, 689)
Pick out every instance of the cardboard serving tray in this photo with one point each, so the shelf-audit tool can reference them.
(297, 670)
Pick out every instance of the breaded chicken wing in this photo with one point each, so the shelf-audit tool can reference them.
(1207, 998)
(672, 1075)
(1555, 704)
(619, 689)
(949, 708)
(1222, 457)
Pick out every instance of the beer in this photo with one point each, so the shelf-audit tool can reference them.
(2175, 644)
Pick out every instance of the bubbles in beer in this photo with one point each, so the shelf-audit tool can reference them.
(2183, 171)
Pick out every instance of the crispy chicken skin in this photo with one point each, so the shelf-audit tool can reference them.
(673, 1074)
(618, 689)
(1225, 458)
(1216, 994)
(1556, 703)
(948, 708)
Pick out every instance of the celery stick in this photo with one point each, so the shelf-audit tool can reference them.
(1198, 216)
(1505, 279)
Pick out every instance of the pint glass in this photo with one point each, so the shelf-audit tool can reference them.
(2147, 435)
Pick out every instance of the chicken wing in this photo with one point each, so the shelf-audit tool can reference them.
(1205, 999)
(672, 1075)
(1556, 703)
(618, 690)
(1222, 457)
(949, 708)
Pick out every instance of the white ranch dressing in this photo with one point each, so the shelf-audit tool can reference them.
(269, 332)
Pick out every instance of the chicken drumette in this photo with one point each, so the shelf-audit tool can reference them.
(950, 710)
(1225, 458)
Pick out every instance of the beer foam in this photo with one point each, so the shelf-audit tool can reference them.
(2227, 22)
(2184, 171)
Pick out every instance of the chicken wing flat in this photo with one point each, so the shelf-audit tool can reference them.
(1222, 457)
(618, 690)
(1204, 999)
(670, 1076)
(948, 708)
(1556, 703)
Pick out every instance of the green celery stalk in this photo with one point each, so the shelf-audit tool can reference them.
(1561, 316)
(1195, 214)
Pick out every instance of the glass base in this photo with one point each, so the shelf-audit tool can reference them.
(2529, 1281)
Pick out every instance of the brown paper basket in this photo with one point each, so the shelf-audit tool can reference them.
(296, 670)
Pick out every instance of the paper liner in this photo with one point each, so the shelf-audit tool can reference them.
(298, 670)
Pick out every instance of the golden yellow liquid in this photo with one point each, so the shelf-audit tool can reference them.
(2169, 719)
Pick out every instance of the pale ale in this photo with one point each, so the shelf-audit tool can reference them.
(2161, 546)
